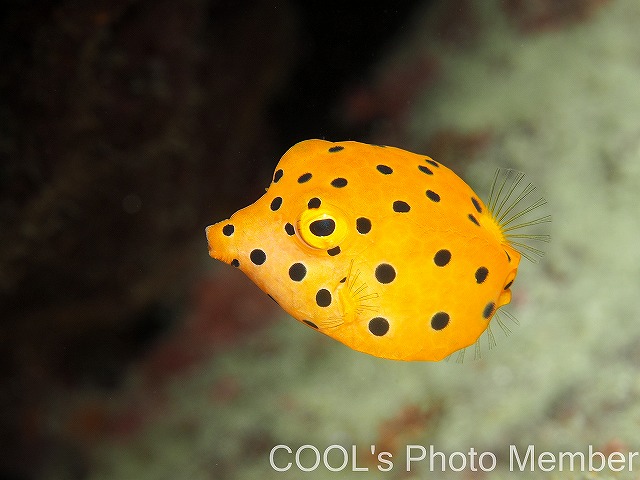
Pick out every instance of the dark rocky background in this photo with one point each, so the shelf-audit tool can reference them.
(125, 128)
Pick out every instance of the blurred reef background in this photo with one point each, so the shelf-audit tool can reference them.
(128, 126)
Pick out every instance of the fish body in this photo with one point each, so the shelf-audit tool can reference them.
(384, 250)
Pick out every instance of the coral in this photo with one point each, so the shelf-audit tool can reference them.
(388, 99)
(540, 15)
(457, 23)
(224, 310)
(410, 424)
(456, 149)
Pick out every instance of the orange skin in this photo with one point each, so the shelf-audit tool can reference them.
(387, 251)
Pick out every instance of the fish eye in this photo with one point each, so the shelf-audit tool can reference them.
(322, 228)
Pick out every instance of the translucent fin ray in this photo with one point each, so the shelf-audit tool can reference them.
(515, 209)
(491, 338)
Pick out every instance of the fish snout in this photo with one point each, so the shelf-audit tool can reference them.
(220, 238)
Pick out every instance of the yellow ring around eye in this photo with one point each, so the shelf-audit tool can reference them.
(321, 228)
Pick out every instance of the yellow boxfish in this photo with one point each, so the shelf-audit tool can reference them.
(385, 250)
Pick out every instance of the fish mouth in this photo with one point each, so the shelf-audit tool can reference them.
(221, 246)
(209, 234)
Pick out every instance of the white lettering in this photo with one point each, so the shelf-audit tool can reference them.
(272, 462)
(620, 459)
(354, 461)
(601, 458)
(472, 459)
(432, 455)
(463, 463)
(513, 452)
(493, 458)
(345, 458)
(383, 457)
(411, 458)
(315, 451)
(335, 458)
(572, 456)
(546, 458)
